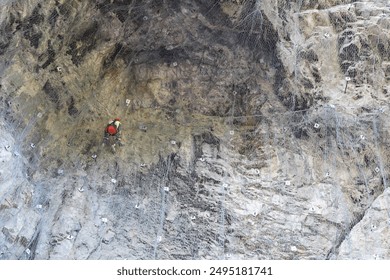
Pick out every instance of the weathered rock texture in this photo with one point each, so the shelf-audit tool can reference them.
(252, 129)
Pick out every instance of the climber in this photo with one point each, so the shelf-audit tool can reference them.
(113, 128)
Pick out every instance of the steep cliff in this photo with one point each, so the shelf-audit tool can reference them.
(252, 129)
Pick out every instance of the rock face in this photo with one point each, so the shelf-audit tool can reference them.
(253, 129)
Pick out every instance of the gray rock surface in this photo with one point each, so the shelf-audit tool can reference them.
(252, 129)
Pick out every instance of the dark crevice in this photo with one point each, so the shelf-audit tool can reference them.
(53, 17)
(72, 110)
(28, 27)
(50, 55)
(33, 245)
(84, 43)
(344, 234)
(51, 93)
